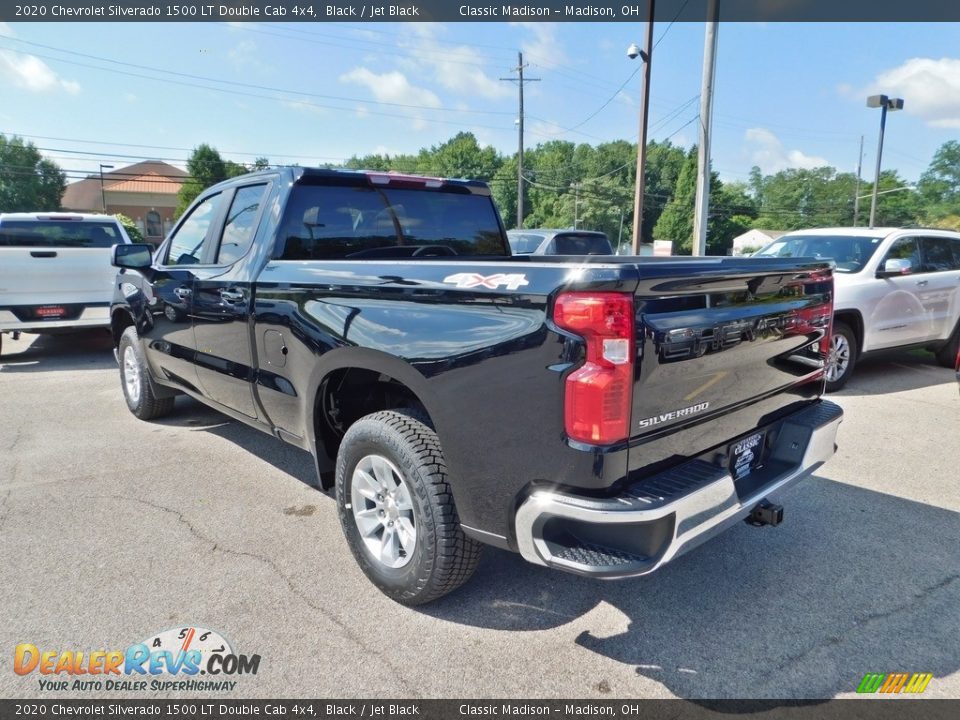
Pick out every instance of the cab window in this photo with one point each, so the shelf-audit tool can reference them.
(240, 224)
(190, 239)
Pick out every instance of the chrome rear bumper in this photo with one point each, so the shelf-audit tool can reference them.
(662, 516)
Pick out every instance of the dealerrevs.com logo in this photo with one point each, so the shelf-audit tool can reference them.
(180, 659)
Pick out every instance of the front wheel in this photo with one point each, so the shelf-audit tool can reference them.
(396, 508)
(842, 356)
(135, 380)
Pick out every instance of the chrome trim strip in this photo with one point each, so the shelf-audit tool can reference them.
(698, 516)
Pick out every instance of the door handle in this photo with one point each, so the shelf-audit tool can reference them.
(183, 293)
(922, 282)
(231, 295)
(43, 253)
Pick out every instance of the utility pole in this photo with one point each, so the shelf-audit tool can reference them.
(576, 206)
(706, 119)
(647, 58)
(856, 194)
(520, 80)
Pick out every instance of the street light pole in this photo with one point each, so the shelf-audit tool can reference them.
(103, 197)
(646, 58)
(884, 103)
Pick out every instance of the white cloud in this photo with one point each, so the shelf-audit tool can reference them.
(393, 87)
(33, 74)
(930, 88)
(5, 30)
(769, 154)
(459, 69)
(130, 97)
(544, 47)
(304, 107)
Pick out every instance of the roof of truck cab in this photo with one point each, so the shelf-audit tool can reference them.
(297, 173)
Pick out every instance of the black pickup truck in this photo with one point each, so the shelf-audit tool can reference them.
(599, 415)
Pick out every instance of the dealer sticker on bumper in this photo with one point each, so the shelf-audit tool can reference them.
(745, 455)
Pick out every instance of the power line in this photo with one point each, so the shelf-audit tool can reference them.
(253, 85)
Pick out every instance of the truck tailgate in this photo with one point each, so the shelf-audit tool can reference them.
(715, 336)
(31, 276)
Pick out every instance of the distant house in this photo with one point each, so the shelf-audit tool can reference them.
(755, 239)
(145, 192)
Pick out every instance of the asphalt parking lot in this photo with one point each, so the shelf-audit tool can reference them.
(112, 529)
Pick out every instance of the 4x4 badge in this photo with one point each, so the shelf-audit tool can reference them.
(511, 281)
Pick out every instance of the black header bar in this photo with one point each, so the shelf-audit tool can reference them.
(477, 11)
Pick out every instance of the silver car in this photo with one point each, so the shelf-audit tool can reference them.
(558, 242)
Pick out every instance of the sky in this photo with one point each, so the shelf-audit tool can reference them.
(786, 95)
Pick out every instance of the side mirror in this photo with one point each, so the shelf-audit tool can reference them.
(133, 257)
(894, 267)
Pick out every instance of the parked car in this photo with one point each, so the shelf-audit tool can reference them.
(599, 418)
(55, 272)
(895, 289)
(559, 242)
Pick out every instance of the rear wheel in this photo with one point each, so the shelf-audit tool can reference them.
(138, 389)
(947, 355)
(397, 511)
(842, 356)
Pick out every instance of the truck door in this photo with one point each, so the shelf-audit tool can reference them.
(222, 299)
(171, 345)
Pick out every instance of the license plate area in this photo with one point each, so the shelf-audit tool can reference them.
(746, 455)
(50, 312)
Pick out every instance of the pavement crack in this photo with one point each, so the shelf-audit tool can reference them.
(4, 509)
(294, 590)
(836, 639)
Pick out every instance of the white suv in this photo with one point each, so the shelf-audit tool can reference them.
(895, 288)
(55, 271)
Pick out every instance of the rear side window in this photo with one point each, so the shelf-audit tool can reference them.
(189, 240)
(355, 223)
(570, 244)
(239, 227)
(59, 234)
(525, 243)
(940, 254)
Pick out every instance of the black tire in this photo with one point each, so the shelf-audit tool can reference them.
(144, 404)
(947, 355)
(843, 344)
(443, 558)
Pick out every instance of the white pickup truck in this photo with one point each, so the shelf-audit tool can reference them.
(896, 288)
(55, 271)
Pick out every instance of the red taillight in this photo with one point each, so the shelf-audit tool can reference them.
(597, 395)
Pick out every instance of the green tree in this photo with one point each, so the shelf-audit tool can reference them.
(206, 168)
(503, 185)
(676, 221)
(131, 227)
(939, 186)
(460, 156)
(28, 181)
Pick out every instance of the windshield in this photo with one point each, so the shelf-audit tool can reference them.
(333, 222)
(524, 243)
(58, 233)
(849, 252)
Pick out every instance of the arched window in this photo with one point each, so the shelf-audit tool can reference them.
(154, 224)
